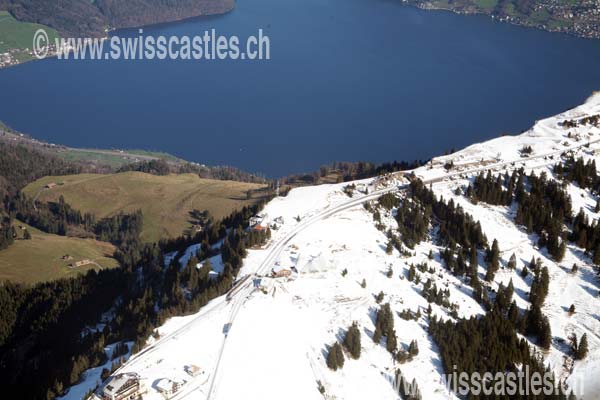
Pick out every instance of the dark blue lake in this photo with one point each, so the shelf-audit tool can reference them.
(347, 80)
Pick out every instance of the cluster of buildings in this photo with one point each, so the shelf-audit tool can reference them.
(128, 386)
(12, 57)
(5, 60)
(17, 56)
(262, 221)
(581, 18)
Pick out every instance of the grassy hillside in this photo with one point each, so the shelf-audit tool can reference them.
(19, 35)
(40, 259)
(112, 158)
(164, 200)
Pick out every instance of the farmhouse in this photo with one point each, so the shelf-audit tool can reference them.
(257, 219)
(81, 263)
(281, 273)
(259, 227)
(122, 386)
(50, 185)
(197, 228)
(167, 386)
(193, 370)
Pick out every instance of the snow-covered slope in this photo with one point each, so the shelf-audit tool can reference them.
(280, 328)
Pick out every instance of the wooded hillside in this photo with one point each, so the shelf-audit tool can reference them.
(87, 18)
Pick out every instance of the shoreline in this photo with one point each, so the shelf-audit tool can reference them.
(426, 6)
(422, 5)
(52, 53)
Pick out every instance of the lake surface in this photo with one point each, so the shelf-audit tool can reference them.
(347, 80)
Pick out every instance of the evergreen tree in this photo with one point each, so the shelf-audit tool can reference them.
(390, 272)
(335, 357)
(512, 262)
(352, 341)
(411, 273)
(332, 358)
(582, 349)
(513, 313)
(546, 334)
(339, 355)
(573, 342)
(392, 342)
(377, 335)
(596, 257)
(510, 290)
(384, 325)
(493, 259)
(560, 252)
(539, 287)
(407, 391)
(413, 348)
(389, 247)
(574, 269)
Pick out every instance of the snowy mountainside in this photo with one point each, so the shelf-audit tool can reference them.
(271, 338)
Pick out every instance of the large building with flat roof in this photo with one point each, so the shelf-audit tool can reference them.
(122, 387)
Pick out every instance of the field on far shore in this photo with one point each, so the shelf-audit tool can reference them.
(19, 35)
(112, 158)
(165, 201)
(41, 258)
